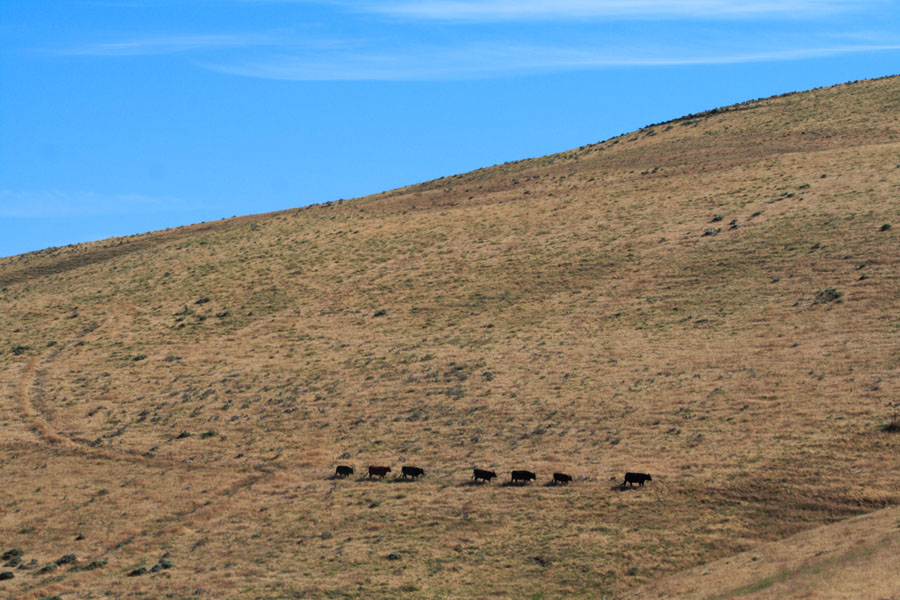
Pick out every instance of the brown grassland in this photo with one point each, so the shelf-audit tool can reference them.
(714, 301)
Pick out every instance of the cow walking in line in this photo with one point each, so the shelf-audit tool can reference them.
(638, 478)
(376, 471)
(483, 475)
(413, 472)
(561, 478)
(522, 476)
(343, 471)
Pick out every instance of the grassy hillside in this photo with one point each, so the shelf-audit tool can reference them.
(855, 558)
(713, 301)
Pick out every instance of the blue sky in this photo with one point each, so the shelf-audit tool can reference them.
(125, 116)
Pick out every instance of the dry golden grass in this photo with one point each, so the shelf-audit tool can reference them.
(856, 558)
(187, 393)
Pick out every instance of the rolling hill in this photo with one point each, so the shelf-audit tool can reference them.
(713, 301)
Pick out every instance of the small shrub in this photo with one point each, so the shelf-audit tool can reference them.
(139, 357)
(10, 554)
(885, 227)
(13, 561)
(208, 434)
(18, 350)
(68, 558)
(202, 300)
(380, 313)
(96, 564)
(827, 295)
(163, 563)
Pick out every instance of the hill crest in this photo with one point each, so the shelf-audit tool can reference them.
(708, 300)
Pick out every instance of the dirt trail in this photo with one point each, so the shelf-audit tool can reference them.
(161, 535)
(36, 417)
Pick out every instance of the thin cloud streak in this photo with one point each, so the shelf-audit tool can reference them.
(478, 62)
(174, 44)
(558, 10)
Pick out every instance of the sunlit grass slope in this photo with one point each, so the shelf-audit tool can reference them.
(714, 301)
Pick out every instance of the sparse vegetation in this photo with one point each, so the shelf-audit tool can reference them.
(530, 318)
(893, 425)
(827, 295)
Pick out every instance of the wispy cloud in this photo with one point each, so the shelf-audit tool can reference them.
(544, 10)
(456, 48)
(171, 44)
(57, 203)
(492, 60)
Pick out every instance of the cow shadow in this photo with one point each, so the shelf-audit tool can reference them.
(517, 484)
(553, 483)
(621, 487)
(474, 483)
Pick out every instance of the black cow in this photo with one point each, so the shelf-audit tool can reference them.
(413, 472)
(484, 475)
(523, 476)
(343, 471)
(638, 478)
(378, 471)
(561, 478)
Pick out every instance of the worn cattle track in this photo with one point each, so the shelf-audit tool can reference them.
(161, 533)
(35, 414)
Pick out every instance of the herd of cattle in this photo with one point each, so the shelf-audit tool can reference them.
(519, 476)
